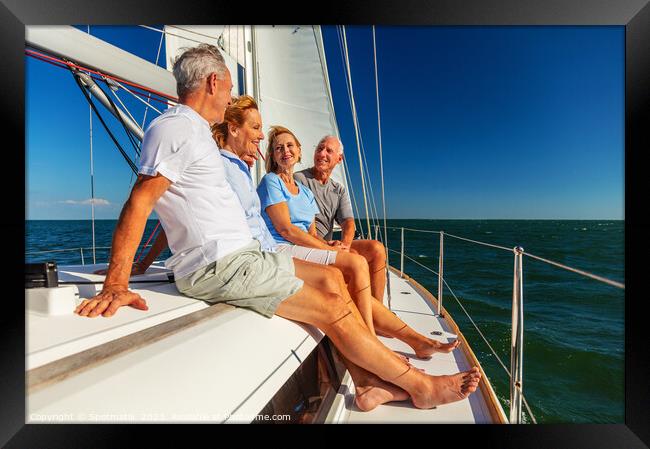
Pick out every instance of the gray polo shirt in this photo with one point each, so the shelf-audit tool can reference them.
(332, 199)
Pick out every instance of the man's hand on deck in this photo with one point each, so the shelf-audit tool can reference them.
(109, 300)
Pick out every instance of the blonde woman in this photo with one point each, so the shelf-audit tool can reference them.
(289, 209)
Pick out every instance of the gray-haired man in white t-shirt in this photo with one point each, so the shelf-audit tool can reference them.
(182, 172)
(334, 203)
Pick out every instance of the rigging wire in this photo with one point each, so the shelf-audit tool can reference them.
(110, 85)
(132, 139)
(374, 215)
(193, 32)
(347, 171)
(357, 216)
(356, 130)
(362, 160)
(146, 109)
(346, 177)
(381, 160)
(171, 34)
(101, 119)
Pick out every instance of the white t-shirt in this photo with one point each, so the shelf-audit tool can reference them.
(200, 213)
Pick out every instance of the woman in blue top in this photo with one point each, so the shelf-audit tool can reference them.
(289, 209)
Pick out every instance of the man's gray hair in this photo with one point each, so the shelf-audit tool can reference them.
(194, 65)
(331, 137)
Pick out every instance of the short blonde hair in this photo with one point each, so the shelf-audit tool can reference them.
(234, 115)
(275, 131)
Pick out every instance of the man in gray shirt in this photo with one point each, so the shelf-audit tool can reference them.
(334, 203)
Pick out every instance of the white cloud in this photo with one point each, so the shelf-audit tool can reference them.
(88, 202)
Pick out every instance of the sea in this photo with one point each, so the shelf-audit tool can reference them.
(573, 368)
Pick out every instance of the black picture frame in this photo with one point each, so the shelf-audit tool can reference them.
(633, 14)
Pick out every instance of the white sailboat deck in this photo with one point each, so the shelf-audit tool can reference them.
(419, 314)
(223, 367)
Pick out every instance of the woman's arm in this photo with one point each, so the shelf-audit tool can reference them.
(157, 247)
(279, 215)
(139, 267)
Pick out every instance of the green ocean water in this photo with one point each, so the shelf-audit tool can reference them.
(574, 326)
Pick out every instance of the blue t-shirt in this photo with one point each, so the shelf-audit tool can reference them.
(302, 207)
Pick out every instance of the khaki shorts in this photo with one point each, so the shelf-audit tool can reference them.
(248, 278)
(315, 255)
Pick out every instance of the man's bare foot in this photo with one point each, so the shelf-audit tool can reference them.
(446, 389)
(427, 348)
(373, 391)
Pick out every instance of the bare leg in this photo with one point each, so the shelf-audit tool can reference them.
(355, 270)
(328, 312)
(370, 390)
(328, 278)
(387, 322)
(374, 252)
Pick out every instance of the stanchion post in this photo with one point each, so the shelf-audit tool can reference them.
(517, 339)
(401, 263)
(440, 268)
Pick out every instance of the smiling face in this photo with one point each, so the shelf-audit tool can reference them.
(327, 155)
(286, 152)
(245, 140)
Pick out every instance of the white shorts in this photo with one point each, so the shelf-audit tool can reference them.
(315, 255)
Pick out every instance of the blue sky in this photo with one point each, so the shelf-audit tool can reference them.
(477, 122)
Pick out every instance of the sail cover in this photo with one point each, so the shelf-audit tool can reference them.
(293, 87)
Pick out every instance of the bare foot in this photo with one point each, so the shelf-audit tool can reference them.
(373, 391)
(428, 348)
(446, 389)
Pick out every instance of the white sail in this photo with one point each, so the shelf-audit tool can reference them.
(293, 86)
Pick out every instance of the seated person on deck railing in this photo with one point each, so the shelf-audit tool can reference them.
(334, 204)
(183, 177)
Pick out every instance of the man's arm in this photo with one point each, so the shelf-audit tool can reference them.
(129, 230)
(347, 231)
